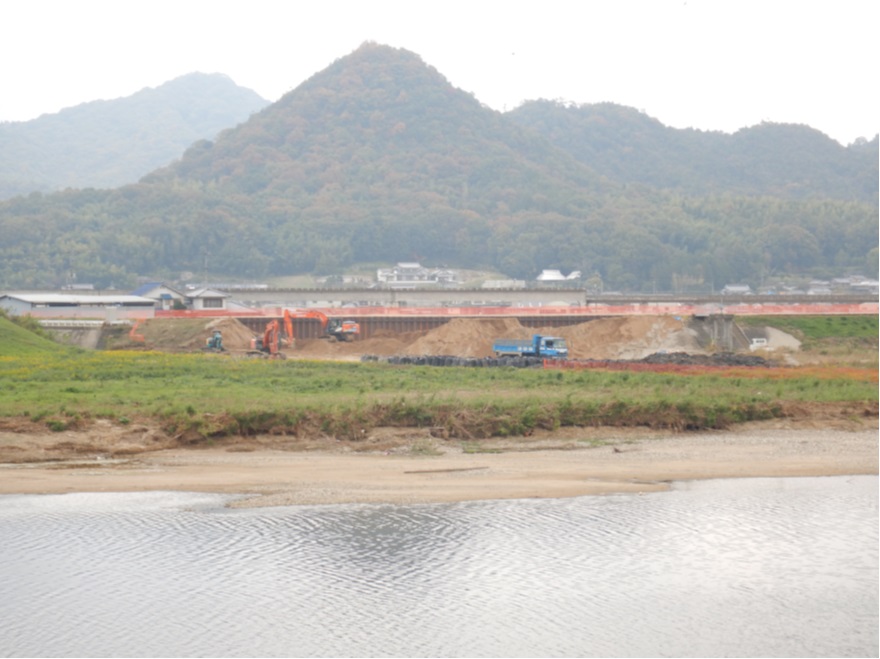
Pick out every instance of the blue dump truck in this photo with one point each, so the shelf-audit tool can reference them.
(538, 346)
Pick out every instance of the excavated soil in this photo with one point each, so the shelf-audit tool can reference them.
(190, 334)
(604, 338)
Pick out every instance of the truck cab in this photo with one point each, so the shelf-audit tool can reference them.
(553, 346)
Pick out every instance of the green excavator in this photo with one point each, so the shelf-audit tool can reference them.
(214, 343)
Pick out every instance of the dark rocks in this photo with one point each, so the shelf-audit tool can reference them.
(660, 358)
(717, 359)
(450, 360)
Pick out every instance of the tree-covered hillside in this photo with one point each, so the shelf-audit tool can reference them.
(379, 158)
(780, 160)
(104, 144)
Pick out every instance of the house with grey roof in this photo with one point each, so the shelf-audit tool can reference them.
(166, 297)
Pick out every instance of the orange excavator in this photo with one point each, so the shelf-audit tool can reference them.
(341, 330)
(269, 345)
(272, 339)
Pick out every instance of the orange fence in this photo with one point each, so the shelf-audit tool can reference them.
(647, 309)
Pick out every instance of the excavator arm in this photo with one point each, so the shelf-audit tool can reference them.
(341, 330)
(288, 326)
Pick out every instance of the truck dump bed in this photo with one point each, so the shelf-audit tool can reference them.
(513, 347)
(538, 346)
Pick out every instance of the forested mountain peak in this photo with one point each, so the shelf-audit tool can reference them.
(107, 143)
(377, 118)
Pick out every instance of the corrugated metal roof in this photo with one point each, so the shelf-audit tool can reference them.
(83, 300)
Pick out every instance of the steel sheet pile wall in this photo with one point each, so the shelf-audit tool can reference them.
(418, 319)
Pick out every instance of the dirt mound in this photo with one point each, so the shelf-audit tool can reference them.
(605, 338)
(467, 337)
(627, 337)
(190, 334)
(630, 337)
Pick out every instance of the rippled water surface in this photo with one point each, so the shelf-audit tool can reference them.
(758, 567)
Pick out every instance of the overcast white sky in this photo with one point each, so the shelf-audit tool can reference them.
(707, 64)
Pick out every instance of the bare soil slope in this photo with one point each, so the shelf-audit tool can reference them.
(630, 337)
(190, 334)
(604, 338)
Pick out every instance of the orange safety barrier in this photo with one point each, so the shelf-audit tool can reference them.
(647, 309)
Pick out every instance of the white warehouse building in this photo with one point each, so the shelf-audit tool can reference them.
(60, 305)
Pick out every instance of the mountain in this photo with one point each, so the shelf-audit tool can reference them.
(105, 144)
(379, 111)
(380, 146)
(378, 158)
(780, 160)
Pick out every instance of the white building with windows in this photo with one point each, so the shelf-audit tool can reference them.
(412, 275)
(206, 299)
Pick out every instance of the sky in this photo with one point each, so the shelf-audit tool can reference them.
(716, 65)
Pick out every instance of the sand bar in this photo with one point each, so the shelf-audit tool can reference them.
(630, 463)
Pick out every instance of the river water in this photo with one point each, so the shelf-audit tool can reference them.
(747, 567)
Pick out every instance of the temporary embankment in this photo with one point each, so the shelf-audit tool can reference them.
(410, 319)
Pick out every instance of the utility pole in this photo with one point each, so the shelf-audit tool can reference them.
(205, 279)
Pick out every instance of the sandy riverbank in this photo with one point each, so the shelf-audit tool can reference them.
(583, 462)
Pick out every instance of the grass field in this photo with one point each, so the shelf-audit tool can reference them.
(818, 328)
(202, 396)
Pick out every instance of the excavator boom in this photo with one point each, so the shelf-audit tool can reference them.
(273, 338)
(341, 330)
